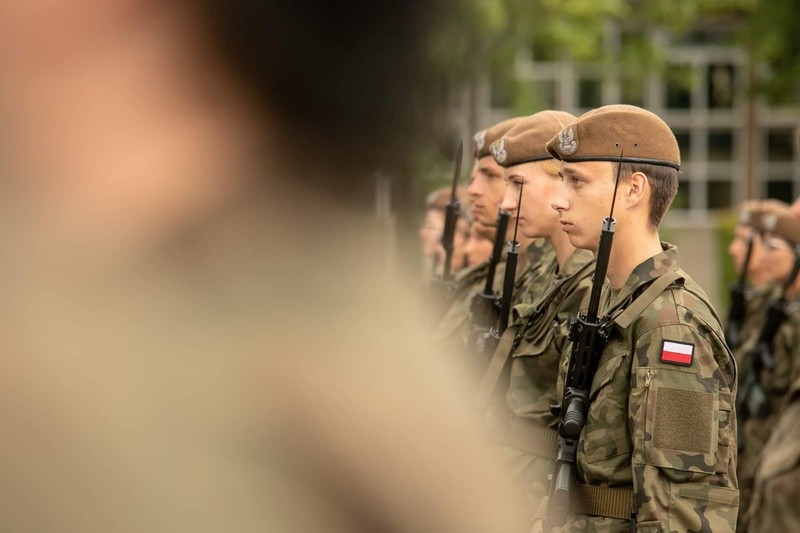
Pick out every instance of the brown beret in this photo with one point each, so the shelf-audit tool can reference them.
(603, 133)
(527, 141)
(482, 141)
(772, 216)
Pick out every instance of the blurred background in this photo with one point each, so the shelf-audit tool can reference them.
(723, 74)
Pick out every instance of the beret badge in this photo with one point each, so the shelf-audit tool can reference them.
(499, 151)
(567, 142)
(480, 140)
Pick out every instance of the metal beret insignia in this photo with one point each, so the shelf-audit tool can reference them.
(499, 151)
(480, 140)
(567, 142)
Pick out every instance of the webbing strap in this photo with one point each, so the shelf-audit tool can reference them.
(530, 437)
(604, 501)
(637, 307)
(495, 370)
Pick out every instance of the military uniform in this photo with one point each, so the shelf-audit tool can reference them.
(527, 360)
(663, 430)
(756, 300)
(777, 477)
(775, 382)
(526, 433)
(659, 444)
(454, 329)
(538, 272)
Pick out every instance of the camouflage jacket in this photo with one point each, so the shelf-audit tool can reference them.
(775, 383)
(777, 479)
(535, 361)
(661, 421)
(756, 300)
(535, 278)
(454, 327)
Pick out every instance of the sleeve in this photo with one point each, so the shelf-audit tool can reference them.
(681, 421)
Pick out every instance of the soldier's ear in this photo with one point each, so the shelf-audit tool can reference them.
(637, 190)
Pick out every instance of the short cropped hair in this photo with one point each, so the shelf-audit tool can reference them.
(663, 187)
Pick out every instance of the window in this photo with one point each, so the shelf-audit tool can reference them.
(719, 194)
(684, 143)
(780, 190)
(679, 81)
(720, 146)
(780, 145)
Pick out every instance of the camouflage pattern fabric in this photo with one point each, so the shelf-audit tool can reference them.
(775, 382)
(539, 272)
(777, 478)
(454, 327)
(534, 370)
(756, 300)
(666, 431)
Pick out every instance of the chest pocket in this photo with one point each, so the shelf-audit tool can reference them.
(679, 418)
(606, 439)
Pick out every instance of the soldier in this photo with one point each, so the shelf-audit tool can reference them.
(177, 356)
(658, 445)
(777, 472)
(773, 505)
(756, 292)
(771, 363)
(430, 233)
(485, 193)
(525, 424)
(477, 248)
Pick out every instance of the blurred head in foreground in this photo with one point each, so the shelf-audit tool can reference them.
(193, 338)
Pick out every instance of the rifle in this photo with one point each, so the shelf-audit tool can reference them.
(443, 285)
(589, 336)
(737, 310)
(485, 304)
(451, 217)
(751, 400)
(491, 339)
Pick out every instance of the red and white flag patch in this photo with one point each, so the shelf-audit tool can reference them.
(677, 353)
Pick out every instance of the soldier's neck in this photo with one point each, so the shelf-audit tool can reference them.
(630, 249)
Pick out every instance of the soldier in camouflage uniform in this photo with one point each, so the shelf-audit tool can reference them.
(659, 445)
(774, 381)
(758, 290)
(524, 424)
(485, 192)
(773, 504)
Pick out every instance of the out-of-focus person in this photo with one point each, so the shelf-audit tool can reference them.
(772, 505)
(485, 192)
(430, 233)
(757, 288)
(478, 248)
(192, 339)
(771, 380)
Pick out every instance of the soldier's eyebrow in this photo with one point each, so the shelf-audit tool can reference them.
(571, 172)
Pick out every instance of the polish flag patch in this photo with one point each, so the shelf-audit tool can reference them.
(677, 353)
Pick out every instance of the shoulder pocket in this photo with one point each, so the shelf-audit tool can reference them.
(677, 420)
